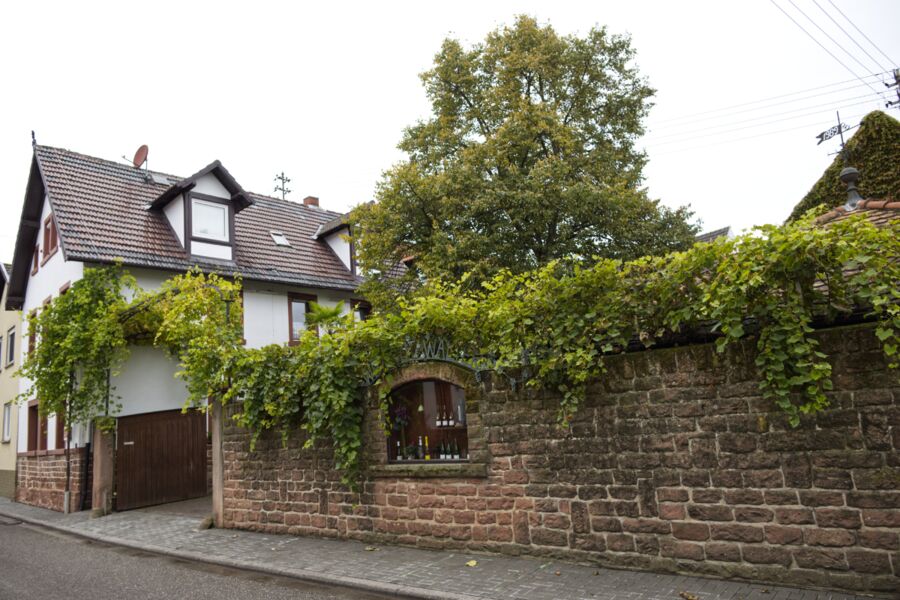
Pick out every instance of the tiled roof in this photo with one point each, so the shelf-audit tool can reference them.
(339, 222)
(101, 209)
(712, 235)
(878, 212)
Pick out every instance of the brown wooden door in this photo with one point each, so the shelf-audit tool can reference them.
(160, 457)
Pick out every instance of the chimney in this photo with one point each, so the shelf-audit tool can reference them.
(311, 201)
(850, 176)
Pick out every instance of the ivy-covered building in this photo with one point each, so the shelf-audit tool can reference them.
(80, 211)
(874, 150)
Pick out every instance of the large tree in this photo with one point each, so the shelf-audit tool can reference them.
(528, 156)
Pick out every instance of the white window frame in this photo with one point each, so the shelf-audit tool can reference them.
(279, 238)
(10, 358)
(7, 422)
(216, 205)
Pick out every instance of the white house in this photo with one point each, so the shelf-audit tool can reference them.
(80, 211)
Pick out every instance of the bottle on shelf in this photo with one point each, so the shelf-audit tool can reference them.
(450, 421)
(427, 450)
(461, 413)
(441, 454)
(399, 451)
(443, 417)
(454, 451)
(420, 450)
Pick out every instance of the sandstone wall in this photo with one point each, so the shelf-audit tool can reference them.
(675, 463)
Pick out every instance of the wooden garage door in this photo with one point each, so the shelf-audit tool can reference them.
(160, 457)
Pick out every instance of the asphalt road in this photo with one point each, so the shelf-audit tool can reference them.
(41, 563)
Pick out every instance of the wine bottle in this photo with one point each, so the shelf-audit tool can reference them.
(420, 450)
(427, 450)
(450, 421)
(443, 417)
(461, 413)
(455, 451)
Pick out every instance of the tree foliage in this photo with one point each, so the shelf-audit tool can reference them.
(875, 151)
(528, 157)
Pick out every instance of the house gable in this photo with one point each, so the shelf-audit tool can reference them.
(109, 212)
(26, 238)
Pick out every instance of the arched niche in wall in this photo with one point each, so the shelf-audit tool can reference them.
(435, 402)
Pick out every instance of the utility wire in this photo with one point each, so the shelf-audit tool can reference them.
(852, 39)
(742, 104)
(669, 125)
(755, 125)
(826, 34)
(812, 37)
(874, 45)
(740, 139)
(806, 110)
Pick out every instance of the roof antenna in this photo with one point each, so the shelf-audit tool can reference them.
(33, 140)
(849, 175)
(140, 159)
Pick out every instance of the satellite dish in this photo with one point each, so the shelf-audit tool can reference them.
(140, 157)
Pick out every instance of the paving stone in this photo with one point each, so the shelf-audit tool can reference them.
(439, 572)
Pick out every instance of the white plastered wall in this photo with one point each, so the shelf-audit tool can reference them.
(174, 212)
(266, 311)
(146, 382)
(340, 246)
(46, 283)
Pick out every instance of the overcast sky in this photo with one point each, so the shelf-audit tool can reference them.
(323, 90)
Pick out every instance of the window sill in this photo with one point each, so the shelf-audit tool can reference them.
(39, 453)
(425, 469)
(48, 256)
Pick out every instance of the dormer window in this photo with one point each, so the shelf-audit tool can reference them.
(200, 210)
(209, 220)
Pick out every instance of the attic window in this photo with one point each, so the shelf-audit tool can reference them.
(209, 220)
(279, 238)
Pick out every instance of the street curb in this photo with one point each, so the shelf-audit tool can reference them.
(365, 585)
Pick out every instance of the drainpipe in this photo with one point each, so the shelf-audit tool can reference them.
(67, 495)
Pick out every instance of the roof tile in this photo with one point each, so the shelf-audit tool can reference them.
(101, 208)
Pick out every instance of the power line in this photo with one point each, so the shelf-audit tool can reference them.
(822, 108)
(740, 139)
(669, 125)
(874, 45)
(742, 104)
(852, 39)
(826, 34)
(830, 53)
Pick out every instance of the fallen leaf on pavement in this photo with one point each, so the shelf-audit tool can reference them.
(557, 573)
(689, 596)
(472, 563)
(371, 548)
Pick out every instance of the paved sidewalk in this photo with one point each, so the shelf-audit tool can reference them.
(395, 570)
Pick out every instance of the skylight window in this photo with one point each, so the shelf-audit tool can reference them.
(279, 238)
